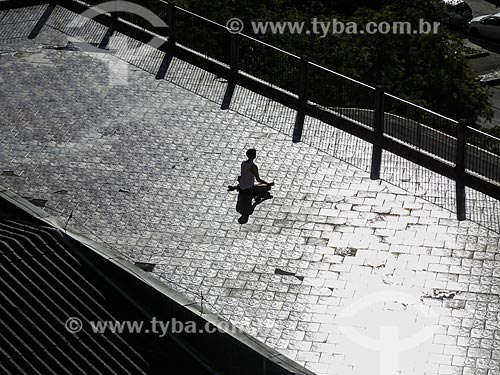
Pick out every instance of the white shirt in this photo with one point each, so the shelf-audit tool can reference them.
(247, 178)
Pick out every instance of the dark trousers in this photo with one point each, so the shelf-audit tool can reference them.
(244, 205)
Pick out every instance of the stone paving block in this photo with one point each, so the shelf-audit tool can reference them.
(449, 370)
(456, 351)
(440, 359)
(443, 339)
(479, 353)
(474, 371)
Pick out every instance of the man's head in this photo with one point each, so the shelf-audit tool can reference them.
(251, 153)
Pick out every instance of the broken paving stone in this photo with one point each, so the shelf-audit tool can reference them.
(349, 252)
(396, 306)
(391, 279)
(395, 254)
(90, 47)
(148, 267)
(443, 294)
(60, 192)
(123, 191)
(279, 271)
(316, 241)
(440, 294)
(455, 304)
(9, 173)
(68, 47)
(38, 202)
(376, 264)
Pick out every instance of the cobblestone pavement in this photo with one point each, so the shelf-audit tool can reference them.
(333, 272)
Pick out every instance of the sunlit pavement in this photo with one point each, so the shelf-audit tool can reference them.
(343, 274)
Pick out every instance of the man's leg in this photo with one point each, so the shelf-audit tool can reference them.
(261, 191)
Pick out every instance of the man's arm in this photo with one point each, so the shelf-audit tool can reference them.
(255, 172)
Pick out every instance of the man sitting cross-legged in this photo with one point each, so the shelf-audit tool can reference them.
(248, 189)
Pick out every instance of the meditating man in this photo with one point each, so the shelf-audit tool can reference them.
(250, 173)
(248, 189)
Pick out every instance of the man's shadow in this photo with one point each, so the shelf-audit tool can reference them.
(246, 207)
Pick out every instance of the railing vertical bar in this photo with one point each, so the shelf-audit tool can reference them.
(460, 169)
(378, 133)
(302, 92)
(171, 20)
(235, 54)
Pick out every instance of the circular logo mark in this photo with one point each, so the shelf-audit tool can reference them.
(389, 344)
(123, 7)
(235, 25)
(73, 325)
(118, 69)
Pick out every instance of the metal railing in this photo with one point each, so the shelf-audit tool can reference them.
(466, 155)
(202, 35)
(482, 155)
(268, 64)
(350, 98)
(425, 130)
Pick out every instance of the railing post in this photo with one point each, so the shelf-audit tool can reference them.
(234, 66)
(378, 133)
(460, 169)
(235, 54)
(114, 19)
(302, 91)
(169, 55)
(171, 25)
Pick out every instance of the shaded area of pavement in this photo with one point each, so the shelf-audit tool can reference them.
(143, 166)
